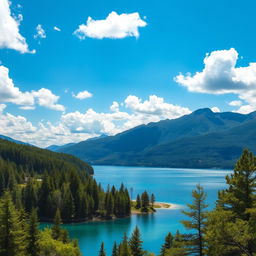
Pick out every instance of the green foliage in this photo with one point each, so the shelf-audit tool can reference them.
(138, 202)
(135, 243)
(197, 221)
(144, 202)
(49, 181)
(20, 236)
(13, 237)
(231, 227)
(167, 244)
(51, 247)
(33, 235)
(102, 250)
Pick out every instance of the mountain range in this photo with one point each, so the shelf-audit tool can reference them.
(202, 139)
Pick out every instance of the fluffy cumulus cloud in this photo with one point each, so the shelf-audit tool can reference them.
(40, 32)
(82, 95)
(10, 36)
(115, 26)
(77, 126)
(221, 76)
(27, 100)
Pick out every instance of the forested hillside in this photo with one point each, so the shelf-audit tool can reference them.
(49, 181)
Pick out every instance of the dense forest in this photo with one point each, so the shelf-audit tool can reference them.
(20, 234)
(227, 230)
(49, 181)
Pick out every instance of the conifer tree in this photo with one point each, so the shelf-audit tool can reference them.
(102, 250)
(197, 214)
(231, 226)
(33, 234)
(152, 200)
(144, 201)
(115, 250)
(167, 244)
(12, 236)
(56, 228)
(138, 202)
(124, 248)
(136, 243)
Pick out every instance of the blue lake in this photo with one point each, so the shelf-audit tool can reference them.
(168, 185)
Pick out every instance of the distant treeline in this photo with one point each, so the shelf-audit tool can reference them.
(49, 181)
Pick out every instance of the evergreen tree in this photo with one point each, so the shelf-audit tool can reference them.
(102, 250)
(144, 201)
(198, 215)
(152, 200)
(33, 235)
(136, 243)
(167, 244)
(124, 248)
(138, 202)
(12, 236)
(56, 228)
(231, 226)
(115, 250)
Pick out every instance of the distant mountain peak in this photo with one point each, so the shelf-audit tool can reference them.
(203, 111)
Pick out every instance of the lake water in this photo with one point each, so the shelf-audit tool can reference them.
(168, 185)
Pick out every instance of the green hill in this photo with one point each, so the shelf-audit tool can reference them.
(39, 160)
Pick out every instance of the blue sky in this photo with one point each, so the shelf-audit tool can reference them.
(137, 57)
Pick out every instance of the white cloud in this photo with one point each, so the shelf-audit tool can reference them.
(235, 103)
(114, 107)
(155, 106)
(221, 76)
(82, 95)
(10, 36)
(56, 29)
(46, 98)
(245, 109)
(27, 100)
(115, 26)
(77, 126)
(215, 109)
(40, 32)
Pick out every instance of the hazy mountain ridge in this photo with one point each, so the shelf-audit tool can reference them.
(175, 143)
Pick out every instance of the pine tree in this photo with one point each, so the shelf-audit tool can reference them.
(12, 236)
(231, 226)
(152, 200)
(167, 244)
(144, 201)
(138, 202)
(33, 235)
(124, 248)
(136, 243)
(56, 228)
(102, 250)
(115, 250)
(198, 215)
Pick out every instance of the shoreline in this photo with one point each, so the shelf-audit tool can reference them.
(157, 206)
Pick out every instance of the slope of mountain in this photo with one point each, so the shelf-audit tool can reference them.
(38, 160)
(56, 148)
(3, 137)
(155, 144)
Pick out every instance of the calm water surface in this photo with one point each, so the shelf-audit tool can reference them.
(168, 185)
